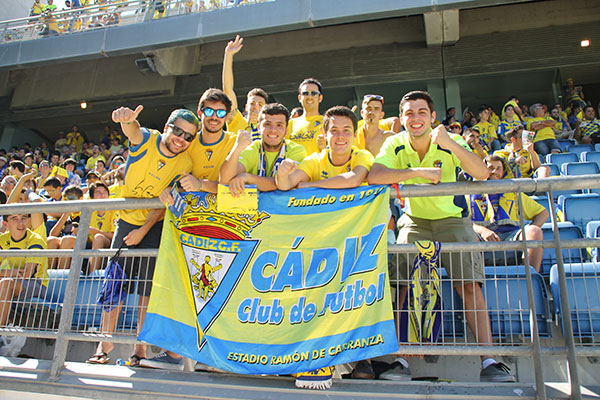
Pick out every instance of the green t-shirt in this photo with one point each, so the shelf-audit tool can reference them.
(397, 153)
(249, 156)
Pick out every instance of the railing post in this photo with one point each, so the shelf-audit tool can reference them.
(564, 304)
(535, 335)
(62, 342)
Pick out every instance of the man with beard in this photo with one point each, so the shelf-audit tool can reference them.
(306, 129)
(155, 163)
(210, 148)
(370, 136)
(256, 163)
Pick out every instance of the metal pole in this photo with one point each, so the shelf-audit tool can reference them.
(535, 336)
(62, 342)
(564, 304)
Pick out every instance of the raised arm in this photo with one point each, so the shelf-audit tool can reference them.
(289, 176)
(470, 162)
(129, 123)
(227, 74)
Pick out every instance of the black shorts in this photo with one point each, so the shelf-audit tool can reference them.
(141, 268)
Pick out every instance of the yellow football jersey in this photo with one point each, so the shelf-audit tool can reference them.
(148, 172)
(239, 122)
(304, 131)
(318, 165)
(104, 223)
(31, 241)
(208, 158)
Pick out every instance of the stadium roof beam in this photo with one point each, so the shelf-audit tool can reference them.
(441, 27)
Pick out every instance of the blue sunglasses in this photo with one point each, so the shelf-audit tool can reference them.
(209, 112)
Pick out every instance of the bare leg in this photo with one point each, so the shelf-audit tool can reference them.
(100, 242)
(534, 232)
(476, 313)
(108, 326)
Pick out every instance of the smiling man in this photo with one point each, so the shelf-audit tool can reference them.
(155, 163)
(210, 148)
(257, 162)
(306, 129)
(425, 155)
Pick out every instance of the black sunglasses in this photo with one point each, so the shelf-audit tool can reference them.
(177, 131)
(209, 112)
(311, 93)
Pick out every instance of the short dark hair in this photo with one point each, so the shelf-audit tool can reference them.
(53, 181)
(584, 109)
(297, 110)
(70, 161)
(258, 92)
(313, 81)
(416, 95)
(73, 189)
(274, 109)
(96, 185)
(55, 153)
(102, 161)
(217, 95)
(514, 132)
(339, 111)
(20, 165)
(483, 108)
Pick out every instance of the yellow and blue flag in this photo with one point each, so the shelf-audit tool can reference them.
(301, 284)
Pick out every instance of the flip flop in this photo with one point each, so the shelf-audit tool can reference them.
(134, 360)
(100, 358)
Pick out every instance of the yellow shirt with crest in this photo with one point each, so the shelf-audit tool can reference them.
(148, 172)
(318, 165)
(207, 158)
(304, 131)
(31, 241)
(104, 223)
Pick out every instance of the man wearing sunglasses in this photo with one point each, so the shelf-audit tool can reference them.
(155, 163)
(370, 136)
(255, 99)
(306, 129)
(210, 148)
(257, 162)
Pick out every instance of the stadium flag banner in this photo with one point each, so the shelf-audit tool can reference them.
(302, 284)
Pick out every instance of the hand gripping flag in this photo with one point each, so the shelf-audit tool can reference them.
(424, 296)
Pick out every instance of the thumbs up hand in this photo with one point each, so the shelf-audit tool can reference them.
(190, 183)
(126, 115)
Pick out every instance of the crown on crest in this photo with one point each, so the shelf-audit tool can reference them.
(202, 218)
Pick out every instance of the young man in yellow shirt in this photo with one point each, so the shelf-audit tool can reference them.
(156, 162)
(257, 162)
(306, 129)
(255, 99)
(211, 146)
(487, 130)
(521, 156)
(340, 165)
(426, 155)
(20, 277)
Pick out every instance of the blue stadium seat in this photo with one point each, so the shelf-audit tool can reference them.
(554, 169)
(591, 156)
(561, 158)
(583, 291)
(597, 147)
(505, 292)
(565, 143)
(566, 230)
(580, 168)
(581, 209)
(579, 148)
(592, 230)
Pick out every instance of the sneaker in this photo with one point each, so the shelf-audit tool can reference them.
(163, 361)
(498, 372)
(363, 370)
(317, 379)
(397, 372)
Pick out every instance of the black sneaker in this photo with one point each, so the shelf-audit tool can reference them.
(363, 370)
(498, 372)
(397, 372)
